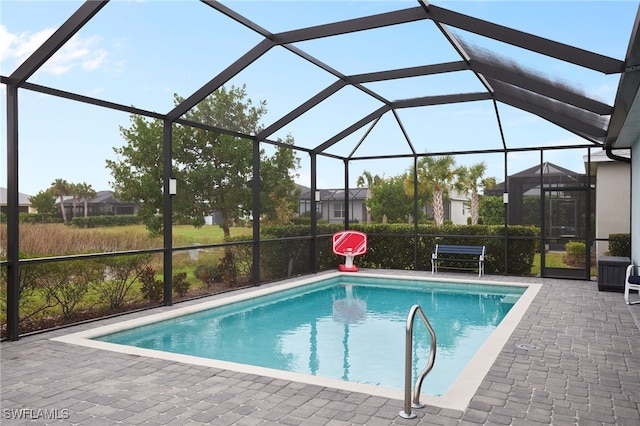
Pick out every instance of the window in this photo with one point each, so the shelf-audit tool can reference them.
(305, 206)
(338, 210)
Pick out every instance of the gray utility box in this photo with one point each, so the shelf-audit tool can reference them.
(611, 273)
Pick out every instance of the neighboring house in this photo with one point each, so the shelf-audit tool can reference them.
(213, 219)
(613, 196)
(527, 182)
(24, 205)
(564, 192)
(330, 205)
(457, 208)
(103, 204)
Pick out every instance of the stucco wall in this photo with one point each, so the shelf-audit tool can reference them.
(459, 212)
(356, 212)
(635, 203)
(612, 202)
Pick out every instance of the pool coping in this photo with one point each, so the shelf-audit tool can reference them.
(457, 396)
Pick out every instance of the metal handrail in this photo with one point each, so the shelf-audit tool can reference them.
(408, 402)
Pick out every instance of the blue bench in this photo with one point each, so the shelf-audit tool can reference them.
(455, 253)
(631, 282)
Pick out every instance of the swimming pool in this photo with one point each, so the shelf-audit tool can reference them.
(341, 330)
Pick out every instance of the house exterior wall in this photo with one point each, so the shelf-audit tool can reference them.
(104, 204)
(333, 211)
(613, 204)
(635, 203)
(21, 209)
(24, 205)
(459, 212)
(97, 209)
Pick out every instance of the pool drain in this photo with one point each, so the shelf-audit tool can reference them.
(527, 346)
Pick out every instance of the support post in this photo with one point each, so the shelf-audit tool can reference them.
(506, 216)
(13, 230)
(167, 213)
(347, 195)
(415, 213)
(255, 213)
(543, 228)
(313, 252)
(588, 219)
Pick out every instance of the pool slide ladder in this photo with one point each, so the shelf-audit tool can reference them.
(408, 362)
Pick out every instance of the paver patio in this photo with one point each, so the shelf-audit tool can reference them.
(574, 358)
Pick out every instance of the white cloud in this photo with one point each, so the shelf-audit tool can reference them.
(83, 52)
(6, 40)
(94, 60)
(18, 47)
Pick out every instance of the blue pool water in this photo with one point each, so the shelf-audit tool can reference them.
(348, 327)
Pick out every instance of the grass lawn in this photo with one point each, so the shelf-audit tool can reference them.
(554, 260)
(208, 234)
(184, 235)
(551, 260)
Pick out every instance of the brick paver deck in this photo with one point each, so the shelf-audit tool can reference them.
(573, 359)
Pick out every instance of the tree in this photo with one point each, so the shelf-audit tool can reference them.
(471, 179)
(137, 176)
(370, 181)
(492, 210)
(423, 189)
(389, 200)
(213, 170)
(85, 192)
(279, 195)
(44, 203)
(60, 188)
(435, 178)
(75, 198)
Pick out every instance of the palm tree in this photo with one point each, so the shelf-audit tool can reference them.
(370, 180)
(423, 188)
(75, 198)
(85, 191)
(60, 188)
(435, 177)
(471, 179)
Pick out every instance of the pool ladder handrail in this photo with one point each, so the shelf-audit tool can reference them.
(408, 402)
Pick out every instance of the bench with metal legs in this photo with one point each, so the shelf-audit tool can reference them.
(460, 254)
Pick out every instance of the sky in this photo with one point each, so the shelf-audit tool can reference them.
(142, 52)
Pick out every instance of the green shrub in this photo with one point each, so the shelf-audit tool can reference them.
(66, 284)
(107, 220)
(37, 218)
(576, 252)
(284, 255)
(228, 269)
(180, 284)
(620, 245)
(208, 274)
(243, 256)
(393, 246)
(151, 288)
(121, 274)
(302, 220)
(32, 305)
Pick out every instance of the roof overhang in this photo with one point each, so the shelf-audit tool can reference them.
(624, 127)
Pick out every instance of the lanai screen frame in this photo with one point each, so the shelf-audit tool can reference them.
(561, 106)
